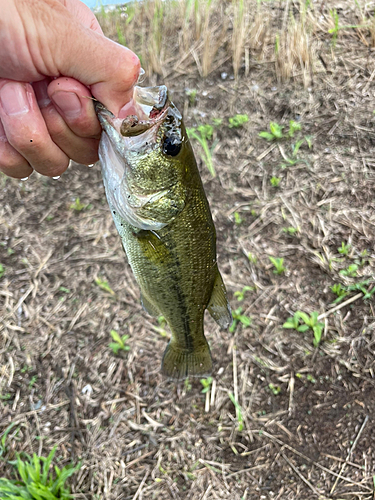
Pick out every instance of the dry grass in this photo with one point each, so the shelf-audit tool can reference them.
(177, 35)
(307, 414)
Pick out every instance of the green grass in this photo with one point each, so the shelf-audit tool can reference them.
(203, 135)
(35, 481)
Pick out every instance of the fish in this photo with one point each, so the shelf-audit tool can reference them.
(162, 215)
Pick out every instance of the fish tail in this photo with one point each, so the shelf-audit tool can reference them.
(180, 363)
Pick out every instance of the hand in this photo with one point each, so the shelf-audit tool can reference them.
(53, 58)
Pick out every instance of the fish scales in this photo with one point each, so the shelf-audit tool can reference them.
(164, 220)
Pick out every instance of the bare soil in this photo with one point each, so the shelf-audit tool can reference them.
(308, 412)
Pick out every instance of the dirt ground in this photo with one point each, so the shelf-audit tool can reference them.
(307, 412)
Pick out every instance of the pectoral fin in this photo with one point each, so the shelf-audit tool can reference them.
(218, 306)
(148, 307)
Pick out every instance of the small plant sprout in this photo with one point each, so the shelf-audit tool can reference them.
(278, 262)
(192, 95)
(291, 231)
(275, 181)
(367, 293)
(241, 294)
(203, 134)
(238, 411)
(252, 258)
(2, 270)
(238, 317)
(237, 218)
(274, 388)
(293, 128)
(350, 271)
(77, 206)
(119, 342)
(276, 132)
(310, 322)
(206, 383)
(340, 291)
(344, 249)
(161, 328)
(36, 481)
(103, 284)
(238, 120)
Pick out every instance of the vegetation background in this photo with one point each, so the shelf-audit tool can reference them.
(279, 97)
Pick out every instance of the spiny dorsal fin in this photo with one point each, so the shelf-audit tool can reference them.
(218, 306)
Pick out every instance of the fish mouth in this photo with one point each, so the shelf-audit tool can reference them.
(147, 108)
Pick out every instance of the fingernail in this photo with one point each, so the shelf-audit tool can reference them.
(14, 99)
(68, 103)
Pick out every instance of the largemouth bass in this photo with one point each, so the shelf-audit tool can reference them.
(161, 212)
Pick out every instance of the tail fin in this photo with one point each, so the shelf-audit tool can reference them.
(181, 363)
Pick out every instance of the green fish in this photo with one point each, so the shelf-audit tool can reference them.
(162, 214)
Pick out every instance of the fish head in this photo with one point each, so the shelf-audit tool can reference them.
(145, 158)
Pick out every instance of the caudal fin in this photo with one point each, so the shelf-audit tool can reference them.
(181, 363)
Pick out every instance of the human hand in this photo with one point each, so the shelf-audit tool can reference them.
(59, 47)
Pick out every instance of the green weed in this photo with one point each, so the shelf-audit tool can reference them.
(237, 218)
(340, 291)
(35, 481)
(77, 206)
(206, 383)
(252, 258)
(238, 411)
(278, 262)
(2, 270)
(238, 120)
(291, 231)
(350, 271)
(161, 328)
(344, 249)
(203, 134)
(241, 294)
(192, 95)
(103, 284)
(238, 317)
(309, 322)
(275, 181)
(274, 388)
(275, 133)
(119, 342)
(293, 128)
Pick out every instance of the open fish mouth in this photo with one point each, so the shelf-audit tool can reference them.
(148, 107)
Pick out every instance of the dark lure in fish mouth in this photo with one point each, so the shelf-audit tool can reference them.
(150, 106)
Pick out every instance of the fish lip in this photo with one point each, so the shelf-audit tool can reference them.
(150, 102)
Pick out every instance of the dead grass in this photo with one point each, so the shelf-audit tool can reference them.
(307, 413)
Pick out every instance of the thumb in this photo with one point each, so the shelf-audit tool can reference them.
(82, 52)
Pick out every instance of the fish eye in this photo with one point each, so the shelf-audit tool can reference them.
(171, 146)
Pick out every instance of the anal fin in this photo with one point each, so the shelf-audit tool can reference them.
(218, 306)
(148, 307)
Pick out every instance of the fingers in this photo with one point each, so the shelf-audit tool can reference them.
(109, 69)
(68, 111)
(26, 132)
(12, 163)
